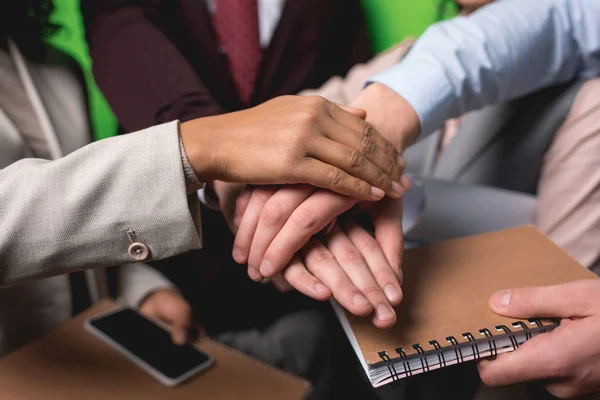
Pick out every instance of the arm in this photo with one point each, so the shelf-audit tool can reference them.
(503, 51)
(75, 212)
(144, 76)
(123, 199)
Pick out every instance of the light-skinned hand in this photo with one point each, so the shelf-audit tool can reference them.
(363, 273)
(169, 308)
(567, 359)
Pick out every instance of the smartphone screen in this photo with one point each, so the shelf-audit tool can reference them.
(150, 343)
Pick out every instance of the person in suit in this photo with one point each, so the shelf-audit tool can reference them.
(66, 204)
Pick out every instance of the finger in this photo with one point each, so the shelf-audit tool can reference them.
(515, 367)
(322, 264)
(241, 204)
(549, 301)
(308, 219)
(243, 238)
(379, 266)
(281, 284)
(405, 182)
(364, 132)
(387, 221)
(273, 217)
(353, 264)
(326, 176)
(567, 390)
(361, 136)
(303, 281)
(359, 112)
(174, 311)
(148, 309)
(357, 164)
(369, 142)
(179, 336)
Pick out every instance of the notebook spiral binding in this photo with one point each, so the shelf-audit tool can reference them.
(455, 346)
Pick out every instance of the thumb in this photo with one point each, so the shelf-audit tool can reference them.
(359, 112)
(574, 299)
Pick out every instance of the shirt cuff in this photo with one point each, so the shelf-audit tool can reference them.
(138, 281)
(424, 86)
(192, 183)
(209, 198)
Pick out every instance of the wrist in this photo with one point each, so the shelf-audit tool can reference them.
(390, 114)
(200, 145)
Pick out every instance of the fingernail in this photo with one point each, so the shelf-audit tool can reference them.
(254, 275)
(179, 338)
(400, 161)
(499, 300)
(392, 293)
(384, 313)
(376, 192)
(236, 253)
(396, 187)
(266, 268)
(320, 288)
(405, 182)
(360, 301)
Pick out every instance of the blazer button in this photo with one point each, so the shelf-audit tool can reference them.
(138, 251)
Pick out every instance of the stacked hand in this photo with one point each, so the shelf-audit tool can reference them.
(567, 359)
(276, 228)
(295, 139)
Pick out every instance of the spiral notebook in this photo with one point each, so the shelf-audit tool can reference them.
(444, 318)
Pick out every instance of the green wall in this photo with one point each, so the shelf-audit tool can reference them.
(389, 22)
(71, 39)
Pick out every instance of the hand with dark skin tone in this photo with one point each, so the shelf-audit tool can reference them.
(295, 139)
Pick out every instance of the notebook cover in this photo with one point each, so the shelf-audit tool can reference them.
(71, 363)
(447, 286)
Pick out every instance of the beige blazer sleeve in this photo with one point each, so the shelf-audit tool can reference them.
(88, 208)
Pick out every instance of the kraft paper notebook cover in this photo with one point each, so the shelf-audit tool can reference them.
(444, 318)
(70, 363)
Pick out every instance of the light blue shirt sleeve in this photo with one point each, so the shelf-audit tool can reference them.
(503, 51)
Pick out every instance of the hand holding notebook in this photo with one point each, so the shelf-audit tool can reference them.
(444, 318)
(569, 357)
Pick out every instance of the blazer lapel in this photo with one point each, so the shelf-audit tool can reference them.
(61, 88)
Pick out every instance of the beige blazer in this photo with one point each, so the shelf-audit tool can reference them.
(84, 210)
(88, 208)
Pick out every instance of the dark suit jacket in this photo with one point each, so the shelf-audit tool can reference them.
(158, 60)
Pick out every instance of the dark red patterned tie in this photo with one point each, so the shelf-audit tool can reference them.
(236, 26)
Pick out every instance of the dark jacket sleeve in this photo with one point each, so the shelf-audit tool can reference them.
(361, 51)
(143, 75)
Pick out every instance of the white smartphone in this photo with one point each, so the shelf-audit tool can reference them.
(148, 346)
